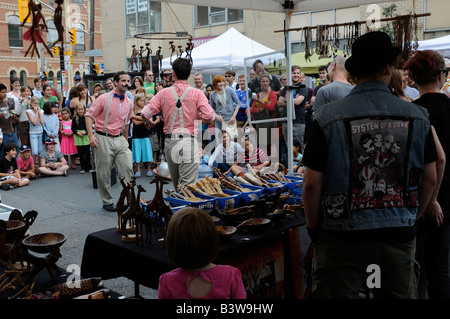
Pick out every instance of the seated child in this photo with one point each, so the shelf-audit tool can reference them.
(297, 156)
(52, 161)
(192, 244)
(253, 156)
(25, 163)
(9, 173)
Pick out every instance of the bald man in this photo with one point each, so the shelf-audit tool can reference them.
(339, 86)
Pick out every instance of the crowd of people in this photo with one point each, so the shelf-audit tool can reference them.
(371, 139)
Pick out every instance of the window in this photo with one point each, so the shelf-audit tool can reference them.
(142, 16)
(12, 74)
(15, 32)
(81, 45)
(23, 78)
(52, 34)
(213, 15)
(50, 77)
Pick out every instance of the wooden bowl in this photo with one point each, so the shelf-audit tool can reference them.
(235, 217)
(215, 219)
(13, 228)
(226, 232)
(44, 243)
(254, 224)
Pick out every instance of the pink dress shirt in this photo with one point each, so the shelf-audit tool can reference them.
(116, 121)
(226, 283)
(194, 102)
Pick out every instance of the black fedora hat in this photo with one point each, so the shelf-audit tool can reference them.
(370, 52)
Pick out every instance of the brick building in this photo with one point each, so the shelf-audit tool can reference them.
(76, 14)
(124, 19)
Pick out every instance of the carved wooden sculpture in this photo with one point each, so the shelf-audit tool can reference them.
(57, 19)
(34, 34)
(120, 205)
(128, 217)
(139, 215)
(133, 58)
(146, 65)
(159, 207)
(159, 56)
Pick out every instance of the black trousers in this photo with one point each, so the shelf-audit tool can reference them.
(84, 152)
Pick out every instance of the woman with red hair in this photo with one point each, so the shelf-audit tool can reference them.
(427, 69)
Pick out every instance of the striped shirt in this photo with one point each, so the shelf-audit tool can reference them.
(257, 158)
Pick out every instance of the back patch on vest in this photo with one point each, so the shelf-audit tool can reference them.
(378, 157)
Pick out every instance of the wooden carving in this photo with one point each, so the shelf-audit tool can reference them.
(159, 207)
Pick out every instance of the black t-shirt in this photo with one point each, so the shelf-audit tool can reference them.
(140, 131)
(8, 167)
(438, 106)
(298, 109)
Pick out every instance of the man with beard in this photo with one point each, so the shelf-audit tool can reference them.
(111, 115)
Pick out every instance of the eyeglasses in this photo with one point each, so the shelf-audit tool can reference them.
(446, 72)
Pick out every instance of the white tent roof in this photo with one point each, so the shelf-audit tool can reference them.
(224, 52)
(441, 44)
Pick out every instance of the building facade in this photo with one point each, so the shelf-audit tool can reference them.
(137, 22)
(76, 14)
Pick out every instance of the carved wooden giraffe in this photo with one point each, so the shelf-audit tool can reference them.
(120, 205)
(129, 215)
(159, 207)
(139, 216)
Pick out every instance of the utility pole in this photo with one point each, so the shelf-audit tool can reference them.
(92, 32)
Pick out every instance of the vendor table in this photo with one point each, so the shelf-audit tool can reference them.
(270, 259)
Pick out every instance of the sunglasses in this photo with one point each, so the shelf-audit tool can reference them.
(228, 76)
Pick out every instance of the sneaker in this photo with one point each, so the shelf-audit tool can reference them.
(91, 170)
(82, 171)
(150, 173)
(6, 187)
(65, 173)
(138, 174)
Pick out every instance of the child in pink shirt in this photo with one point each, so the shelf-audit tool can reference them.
(192, 244)
(25, 163)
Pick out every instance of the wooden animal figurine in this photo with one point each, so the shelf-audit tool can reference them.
(128, 217)
(159, 207)
(120, 205)
(139, 215)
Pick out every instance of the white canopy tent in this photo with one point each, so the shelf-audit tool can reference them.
(224, 52)
(287, 7)
(442, 45)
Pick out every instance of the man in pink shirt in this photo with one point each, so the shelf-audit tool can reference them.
(183, 108)
(110, 114)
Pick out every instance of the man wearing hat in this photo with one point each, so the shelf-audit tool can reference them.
(371, 170)
(166, 77)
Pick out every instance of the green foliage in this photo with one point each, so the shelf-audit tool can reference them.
(389, 12)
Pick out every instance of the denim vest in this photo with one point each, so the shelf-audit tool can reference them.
(375, 165)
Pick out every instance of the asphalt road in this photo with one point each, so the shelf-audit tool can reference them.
(71, 206)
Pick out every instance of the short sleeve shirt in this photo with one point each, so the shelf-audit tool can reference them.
(48, 159)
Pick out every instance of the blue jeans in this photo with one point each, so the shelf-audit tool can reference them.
(9, 138)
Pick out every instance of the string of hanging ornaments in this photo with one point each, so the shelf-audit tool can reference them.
(328, 37)
(175, 50)
(179, 42)
(38, 26)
